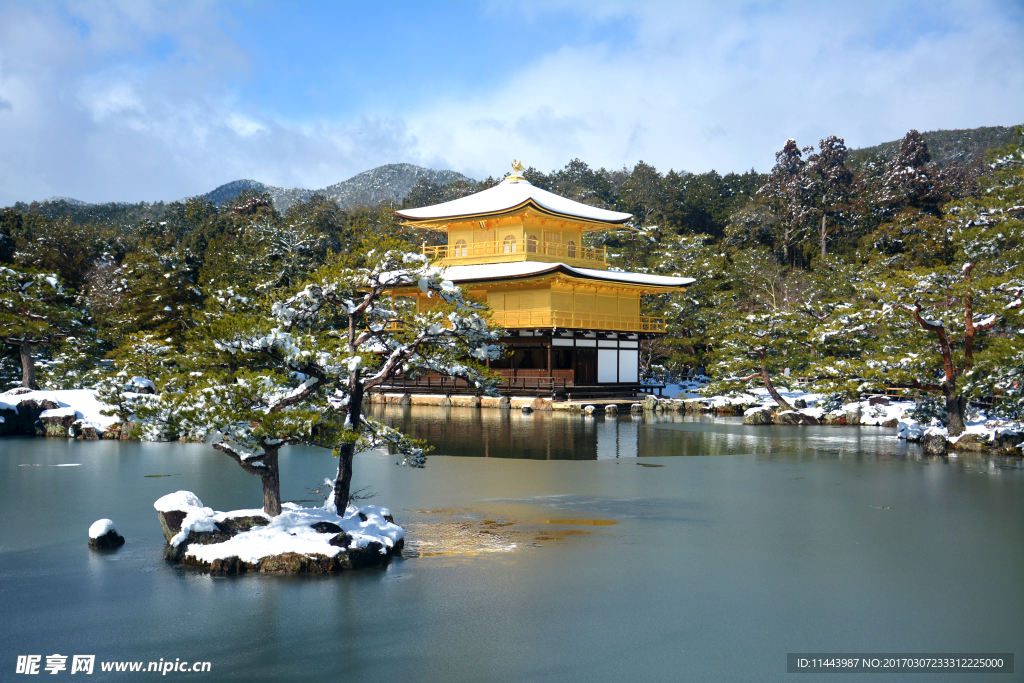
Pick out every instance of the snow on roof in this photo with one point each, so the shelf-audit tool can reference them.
(509, 194)
(501, 271)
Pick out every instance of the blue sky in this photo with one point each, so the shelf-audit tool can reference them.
(144, 101)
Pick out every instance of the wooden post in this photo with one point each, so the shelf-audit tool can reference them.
(549, 358)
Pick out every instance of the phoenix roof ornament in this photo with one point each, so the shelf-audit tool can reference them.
(517, 169)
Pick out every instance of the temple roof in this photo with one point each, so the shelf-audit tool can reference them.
(490, 272)
(511, 194)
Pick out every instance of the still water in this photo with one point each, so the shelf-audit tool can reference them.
(549, 547)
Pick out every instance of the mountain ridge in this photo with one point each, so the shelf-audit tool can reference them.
(392, 182)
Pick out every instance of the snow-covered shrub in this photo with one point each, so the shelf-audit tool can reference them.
(931, 408)
(10, 370)
(833, 401)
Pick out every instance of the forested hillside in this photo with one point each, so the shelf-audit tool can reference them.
(946, 146)
(388, 183)
(898, 271)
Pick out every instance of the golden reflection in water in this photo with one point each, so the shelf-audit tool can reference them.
(467, 533)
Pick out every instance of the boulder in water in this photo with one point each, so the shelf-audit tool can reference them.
(792, 417)
(762, 416)
(103, 535)
(934, 443)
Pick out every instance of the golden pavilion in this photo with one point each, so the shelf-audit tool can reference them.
(573, 325)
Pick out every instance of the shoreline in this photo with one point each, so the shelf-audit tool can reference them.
(76, 413)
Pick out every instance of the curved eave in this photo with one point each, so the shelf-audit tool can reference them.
(568, 273)
(439, 223)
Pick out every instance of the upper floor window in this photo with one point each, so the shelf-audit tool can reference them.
(531, 244)
(509, 245)
(570, 249)
(460, 249)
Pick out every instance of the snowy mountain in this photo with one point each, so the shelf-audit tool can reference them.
(384, 183)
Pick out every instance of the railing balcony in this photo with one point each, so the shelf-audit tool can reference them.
(530, 249)
(550, 319)
(575, 320)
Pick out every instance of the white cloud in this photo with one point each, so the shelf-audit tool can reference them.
(723, 86)
(244, 126)
(93, 114)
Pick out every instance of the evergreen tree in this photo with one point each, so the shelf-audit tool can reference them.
(10, 226)
(763, 329)
(789, 192)
(61, 246)
(833, 182)
(692, 318)
(967, 311)
(160, 292)
(34, 311)
(303, 364)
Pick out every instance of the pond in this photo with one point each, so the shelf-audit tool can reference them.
(544, 547)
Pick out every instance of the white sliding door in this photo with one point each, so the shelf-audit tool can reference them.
(629, 366)
(607, 366)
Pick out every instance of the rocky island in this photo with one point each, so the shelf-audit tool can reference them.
(299, 540)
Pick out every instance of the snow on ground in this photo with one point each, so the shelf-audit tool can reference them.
(289, 532)
(906, 428)
(989, 428)
(685, 389)
(86, 405)
(876, 415)
(759, 398)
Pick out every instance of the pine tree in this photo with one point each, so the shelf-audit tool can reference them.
(833, 183)
(160, 292)
(790, 193)
(763, 329)
(966, 312)
(302, 365)
(34, 311)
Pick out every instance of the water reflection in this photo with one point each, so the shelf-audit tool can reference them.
(827, 539)
(571, 436)
(558, 435)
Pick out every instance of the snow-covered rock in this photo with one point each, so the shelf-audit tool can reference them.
(298, 540)
(179, 500)
(20, 410)
(141, 385)
(934, 441)
(27, 406)
(103, 535)
(58, 421)
(795, 417)
(757, 416)
(909, 430)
